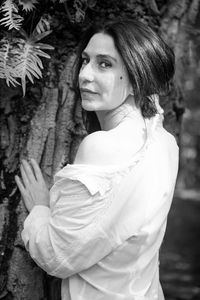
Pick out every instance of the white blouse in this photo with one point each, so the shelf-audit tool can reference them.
(105, 224)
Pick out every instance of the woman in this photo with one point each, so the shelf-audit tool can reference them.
(101, 227)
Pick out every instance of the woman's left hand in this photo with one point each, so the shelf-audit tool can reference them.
(32, 185)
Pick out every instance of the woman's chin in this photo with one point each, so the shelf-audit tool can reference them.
(87, 105)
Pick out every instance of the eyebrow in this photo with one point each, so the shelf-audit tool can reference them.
(105, 56)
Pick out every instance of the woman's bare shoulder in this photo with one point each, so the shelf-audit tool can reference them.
(96, 149)
(108, 148)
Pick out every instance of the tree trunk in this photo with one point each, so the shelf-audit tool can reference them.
(47, 125)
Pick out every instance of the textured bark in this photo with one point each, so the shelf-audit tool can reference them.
(47, 124)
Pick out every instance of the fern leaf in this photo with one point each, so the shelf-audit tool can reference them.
(24, 66)
(21, 59)
(41, 53)
(43, 25)
(34, 59)
(37, 37)
(11, 17)
(4, 48)
(45, 46)
(10, 80)
(42, 28)
(29, 63)
(28, 5)
(6, 70)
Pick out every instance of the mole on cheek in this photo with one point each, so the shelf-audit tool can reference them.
(121, 77)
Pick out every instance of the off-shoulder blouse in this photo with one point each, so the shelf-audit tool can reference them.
(105, 224)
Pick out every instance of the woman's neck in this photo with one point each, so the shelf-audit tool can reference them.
(112, 118)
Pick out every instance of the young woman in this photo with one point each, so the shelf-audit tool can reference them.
(101, 226)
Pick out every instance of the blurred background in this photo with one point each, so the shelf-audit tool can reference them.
(180, 253)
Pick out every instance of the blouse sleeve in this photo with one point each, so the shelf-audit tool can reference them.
(68, 237)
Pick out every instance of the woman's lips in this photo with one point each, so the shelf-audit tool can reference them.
(87, 91)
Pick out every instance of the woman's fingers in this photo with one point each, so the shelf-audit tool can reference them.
(28, 170)
(20, 186)
(25, 179)
(26, 199)
(37, 170)
(32, 185)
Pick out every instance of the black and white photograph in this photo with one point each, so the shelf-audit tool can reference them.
(100, 150)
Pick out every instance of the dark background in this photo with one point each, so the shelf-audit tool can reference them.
(180, 252)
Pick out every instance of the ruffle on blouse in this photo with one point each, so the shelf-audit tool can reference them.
(92, 177)
(100, 179)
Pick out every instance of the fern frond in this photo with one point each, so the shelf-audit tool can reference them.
(28, 62)
(37, 37)
(20, 58)
(45, 46)
(28, 5)
(11, 17)
(6, 69)
(43, 25)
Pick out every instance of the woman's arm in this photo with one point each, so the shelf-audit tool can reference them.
(65, 240)
(68, 239)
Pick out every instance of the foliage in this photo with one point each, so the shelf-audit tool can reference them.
(20, 57)
(19, 53)
(11, 17)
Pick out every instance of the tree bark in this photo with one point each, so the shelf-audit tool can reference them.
(47, 125)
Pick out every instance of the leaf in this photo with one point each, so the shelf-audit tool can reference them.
(11, 17)
(42, 27)
(38, 37)
(20, 58)
(28, 5)
(6, 70)
(45, 46)
(41, 53)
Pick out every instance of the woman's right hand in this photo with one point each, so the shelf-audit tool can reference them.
(32, 185)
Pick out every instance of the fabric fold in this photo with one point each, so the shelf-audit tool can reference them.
(99, 179)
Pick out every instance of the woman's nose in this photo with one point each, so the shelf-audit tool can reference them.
(86, 73)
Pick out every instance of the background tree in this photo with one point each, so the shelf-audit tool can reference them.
(42, 119)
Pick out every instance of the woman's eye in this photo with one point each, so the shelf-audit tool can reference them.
(105, 64)
(84, 61)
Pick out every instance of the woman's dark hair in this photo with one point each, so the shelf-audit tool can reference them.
(148, 59)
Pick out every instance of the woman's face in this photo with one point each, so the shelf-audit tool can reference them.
(103, 78)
